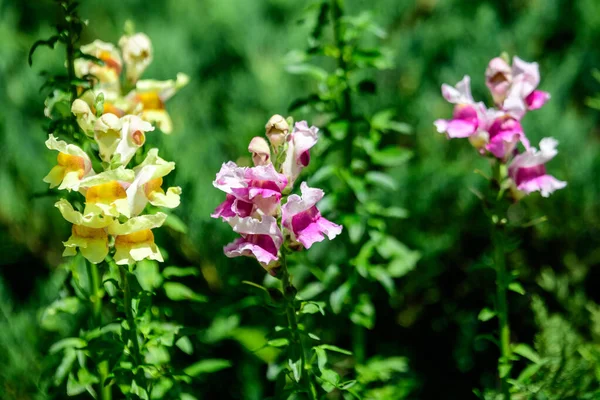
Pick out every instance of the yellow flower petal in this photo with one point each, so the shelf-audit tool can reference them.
(92, 243)
(76, 218)
(136, 246)
(135, 224)
(170, 199)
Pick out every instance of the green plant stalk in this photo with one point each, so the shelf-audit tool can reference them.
(502, 310)
(70, 46)
(288, 289)
(128, 306)
(96, 300)
(502, 279)
(345, 103)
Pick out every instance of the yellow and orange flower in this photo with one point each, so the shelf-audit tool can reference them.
(88, 233)
(73, 165)
(106, 194)
(147, 186)
(134, 240)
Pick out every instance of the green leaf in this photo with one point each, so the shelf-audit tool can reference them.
(178, 292)
(486, 314)
(185, 344)
(338, 297)
(65, 366)
(528, 372)
(296, 366)
(312, 308)
(391, 156)
(364, 312)
(279, 342)
(139, 390)
(516, 287)
(171, 271)
(311, 290)
(356, 226)
(207, 366)
(527, 352)
(67, 343)
(176, 224)
(381, 179)
(330, 347)
(311, 70)
(382, 276)
(504, 370)
(148, 275)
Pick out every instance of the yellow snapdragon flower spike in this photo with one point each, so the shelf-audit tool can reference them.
(134, 240)
(73, 164)
(88, 233)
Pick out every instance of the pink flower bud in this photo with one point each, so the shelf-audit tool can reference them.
(261, 153)
(277, 129)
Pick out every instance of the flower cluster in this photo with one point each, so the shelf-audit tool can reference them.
(257, 204)
(127, 94)
(114, 198)
(497, 131)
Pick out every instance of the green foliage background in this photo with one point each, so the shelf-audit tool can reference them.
(235, 53)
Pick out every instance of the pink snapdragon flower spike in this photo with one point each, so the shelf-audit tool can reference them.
(302, 218)
(300, 141)
(505, 132)
(528, 170)
(249, 190)
(261, 239)
(468, 116)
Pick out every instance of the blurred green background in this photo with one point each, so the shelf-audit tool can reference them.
(235, 54)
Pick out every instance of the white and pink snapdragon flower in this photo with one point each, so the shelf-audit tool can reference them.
(257, 205)
(497, 130)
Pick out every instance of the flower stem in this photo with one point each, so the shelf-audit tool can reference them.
(96, 301)
(358, 343)
(128, 306)
(502, 280)
(504, 363)
(289, 292)
(70, 47)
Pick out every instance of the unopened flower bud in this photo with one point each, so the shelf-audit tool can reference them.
(277, 129)
(498, 78)
(137, 54)
(261, 153)
(84, 115)
(107, 132)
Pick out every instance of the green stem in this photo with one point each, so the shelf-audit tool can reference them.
(504, 363)
(96, 301)
(502, 279)
(127, 305)
(289, 292)
(337, 12)
(358, 343)
(71, 61)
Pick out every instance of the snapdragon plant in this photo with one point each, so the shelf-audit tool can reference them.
(518, 169)
(273, 224)
(118, 340)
